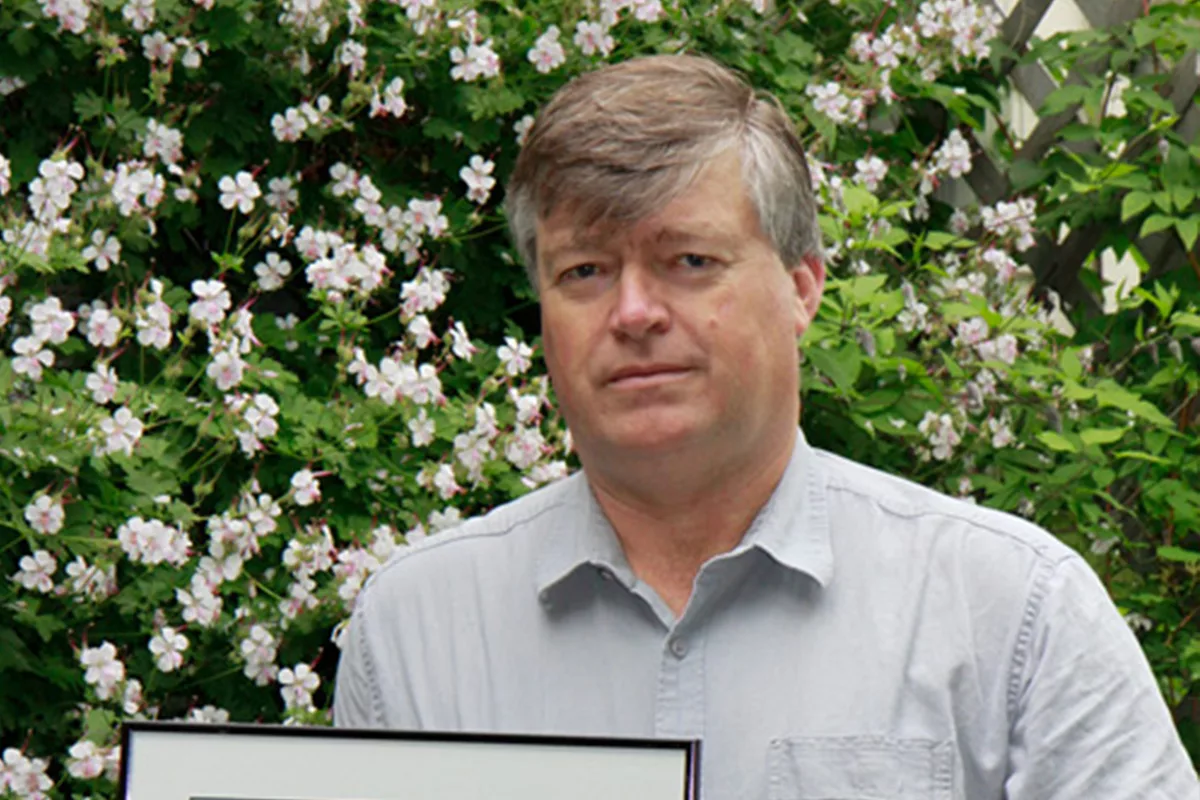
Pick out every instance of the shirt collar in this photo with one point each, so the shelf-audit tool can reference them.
(792, 528)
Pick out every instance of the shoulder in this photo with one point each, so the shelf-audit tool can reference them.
(506, 537)
(898, 507)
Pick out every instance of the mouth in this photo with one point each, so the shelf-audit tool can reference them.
(645, 376)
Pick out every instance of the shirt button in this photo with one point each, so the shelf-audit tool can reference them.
(606, 574)
(679, 647)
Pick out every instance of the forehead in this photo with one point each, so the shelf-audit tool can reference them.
(714, 203)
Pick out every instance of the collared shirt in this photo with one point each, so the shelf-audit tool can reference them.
(869, 638)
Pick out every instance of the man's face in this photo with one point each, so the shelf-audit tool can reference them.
(678, 332)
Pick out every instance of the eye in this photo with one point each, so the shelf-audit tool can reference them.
(694, 261)
(578, 273)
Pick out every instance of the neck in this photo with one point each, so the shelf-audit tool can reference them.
(672, 517)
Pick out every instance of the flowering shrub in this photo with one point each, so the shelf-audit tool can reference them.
(261, 325)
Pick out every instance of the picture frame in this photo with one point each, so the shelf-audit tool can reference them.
(192, 761)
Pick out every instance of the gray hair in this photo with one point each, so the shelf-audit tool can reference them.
(619, 143)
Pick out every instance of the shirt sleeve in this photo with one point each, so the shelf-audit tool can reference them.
(1087, 717)
(355, 688)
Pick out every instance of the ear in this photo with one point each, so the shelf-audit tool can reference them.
(809, 279)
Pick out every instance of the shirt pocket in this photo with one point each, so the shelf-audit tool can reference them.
(860, 768)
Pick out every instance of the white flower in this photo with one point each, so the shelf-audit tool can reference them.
(50, 322)
(162, 142)
(478, 61)
(121, 432)
(829, 100)
(289, 126)
(37, 572)
(87, 761)
(460, 342)
(939, 430)
(104, 251)
(26, 777)
(522, 127)
(102, 383)
(353, 54)
(5, 173)
(167, 646)
(208, 715)
(5, 310)
(547, 53)
(515, 356)
(478, 177)
(103, 671)
(139, 13)
(259, 649)
(211, 304)
(45, 514)
(158, 48)
(307, 488)
(1002, 348)
(392, 101)
(971, 331)
(272, 272)
(422, 428)
(282, 194)
(31, 358)
(241, 192)
(870, 172)
(153, 542)
(297, 685)
(592, 38)
(954, 156)
(103, 329)
(425, 216)
(227, 369)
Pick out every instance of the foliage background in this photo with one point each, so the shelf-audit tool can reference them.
(183, 534)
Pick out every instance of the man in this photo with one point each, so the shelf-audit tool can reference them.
(827, 630)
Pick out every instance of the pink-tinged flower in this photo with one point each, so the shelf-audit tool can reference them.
(478, 177)
(353, 54)
(954, 155)
(547, 53)
(940, 433)
(50, 322)
(289, 126)
(515, 356)
(971, 331)
(168, 646)
(282, 194)
(104, 251)
(296, 686)
(306, 488)
(103, 328)
(121, 432)
(139, 13)
(158, 49)
(391, 102)
(460, 342)
(31, 357)
(37, 571)
(592, 38)
(212, 301)
(87, 760)
(45, 514)
(477, 61)
(103, 670)
(162, 142)
(240, 191)
(870, 171)
(829, 100)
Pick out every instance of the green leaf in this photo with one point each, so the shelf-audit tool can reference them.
(1134, 204)
(1188, 230)
(859, 202)
(841, 365)
(1178, 554)
(1155, 223)
(1057, 442)
(1102, 435)
(1184, 320)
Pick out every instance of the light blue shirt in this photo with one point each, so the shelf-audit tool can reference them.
(869, 638)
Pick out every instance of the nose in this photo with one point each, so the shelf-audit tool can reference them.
(640, 308)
